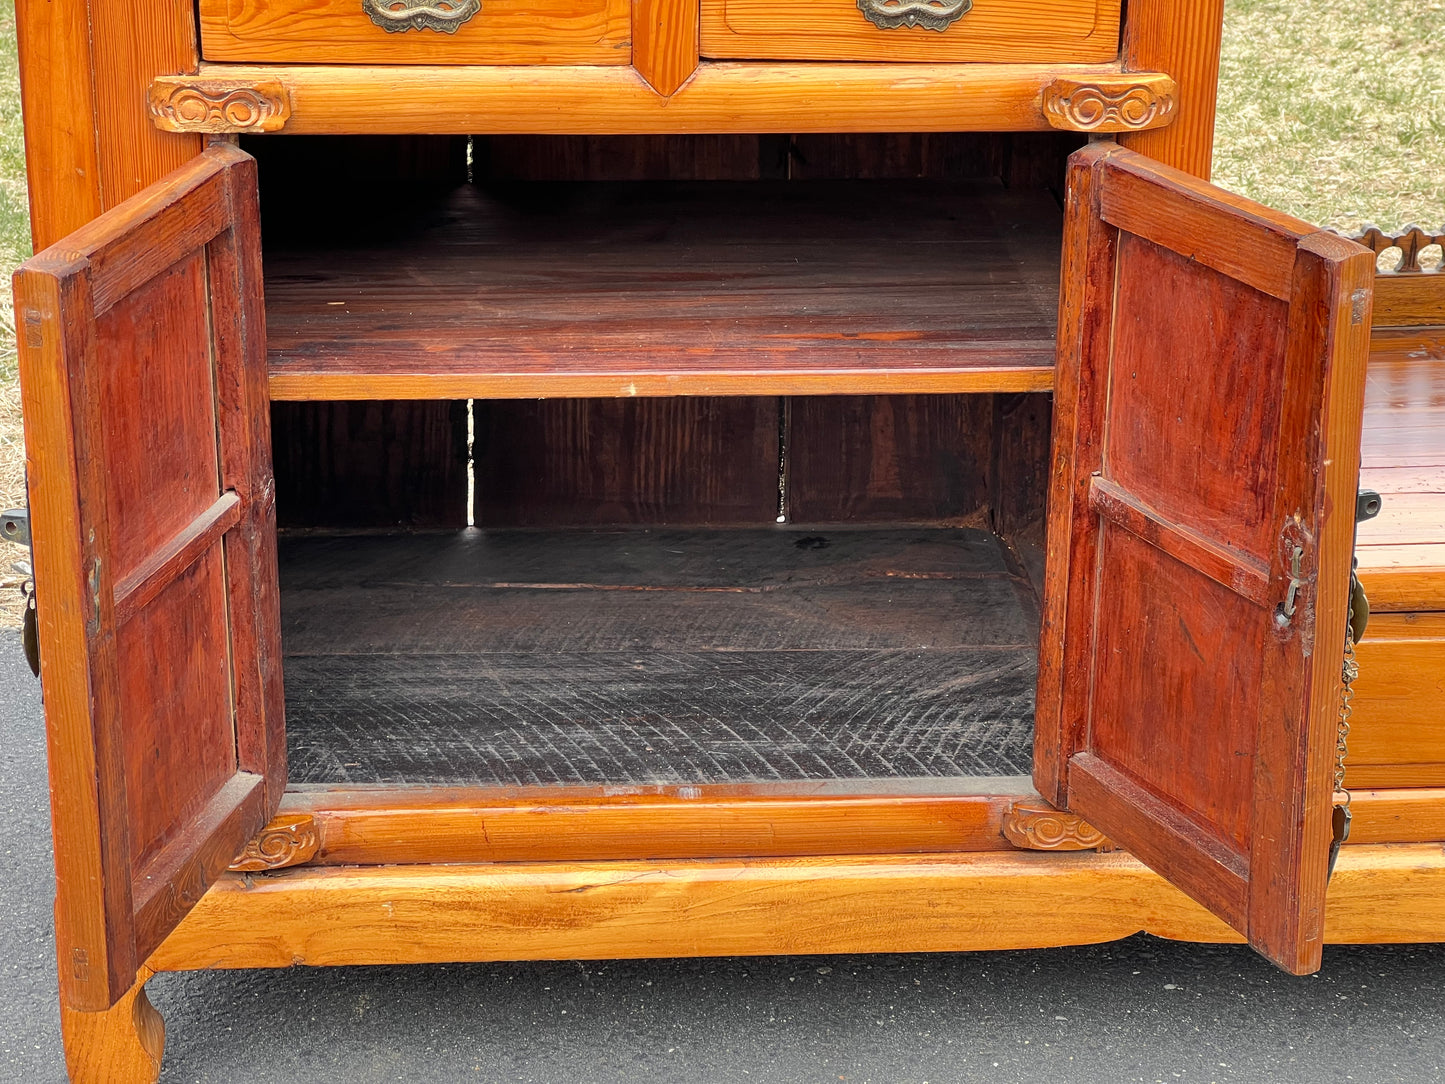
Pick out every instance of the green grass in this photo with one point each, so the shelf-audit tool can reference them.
(14, 211)
(1334, 110)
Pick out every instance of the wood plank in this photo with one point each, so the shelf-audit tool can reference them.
(1403, 300)
(591, 462)
(632, 910)
(1063, 31)
(760, 288)
(1415, 815)
(1397, 737)
(664, 42)
(414, 826)
(613, 100)
(1181, 37)
(341, 32)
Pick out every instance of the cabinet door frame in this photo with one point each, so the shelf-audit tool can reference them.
(143, 375)
(1239, 557)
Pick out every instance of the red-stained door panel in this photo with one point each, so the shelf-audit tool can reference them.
(142, 360)
(1206, 453)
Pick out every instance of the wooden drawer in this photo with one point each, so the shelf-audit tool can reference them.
(342, 32)
(1067, 31)
(1398, 734)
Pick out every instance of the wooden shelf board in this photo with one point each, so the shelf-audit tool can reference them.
(757, 288)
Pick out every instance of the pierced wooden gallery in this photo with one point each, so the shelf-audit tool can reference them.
(563, 479)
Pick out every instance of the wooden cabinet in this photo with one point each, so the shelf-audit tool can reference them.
(867, 494)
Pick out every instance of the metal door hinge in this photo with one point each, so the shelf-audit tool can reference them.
(15, 527)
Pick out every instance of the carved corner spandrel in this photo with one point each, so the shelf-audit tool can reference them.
(288, 840)
(1125, 104)
(185, 103)
(1037, 826)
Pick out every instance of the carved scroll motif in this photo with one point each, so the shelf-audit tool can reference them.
(1123, 106)
(930, 14)
(1038, 826)
(289, 840)
(399, 16)
(187, 104)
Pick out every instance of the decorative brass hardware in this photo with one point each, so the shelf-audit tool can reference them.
(930, 14)
(1037, 826)
(1122, 105)
(399, 16)
(187, 104)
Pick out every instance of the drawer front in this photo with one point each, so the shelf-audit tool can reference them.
(1397, 737)
(417, 31)
(1018, 31)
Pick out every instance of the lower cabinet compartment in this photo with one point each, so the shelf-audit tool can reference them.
(516, 658)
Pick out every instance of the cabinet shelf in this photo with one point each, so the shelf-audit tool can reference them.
(653, 288)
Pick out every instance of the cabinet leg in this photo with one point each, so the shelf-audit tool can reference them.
(119, 1046)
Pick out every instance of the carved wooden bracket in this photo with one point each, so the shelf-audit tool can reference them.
(289, 840)
(1128, 103)
(181, 103)
(1037, 826)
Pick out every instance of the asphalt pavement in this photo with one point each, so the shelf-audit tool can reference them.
(1135, 1010)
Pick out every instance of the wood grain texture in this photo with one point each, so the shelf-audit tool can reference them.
(628, 910)
(656, 657)
(599, 462)
(371, 463)
(340, 32)
(122, 1043)
(160, 725)
(762, 288)
(1063, 31)
(1409, 300)
(664, 42)
(721, 97)
(416, 825)
(1181, 37)
(1397, 737)
(1402, 552)
(1407, 815)
(1237, 813)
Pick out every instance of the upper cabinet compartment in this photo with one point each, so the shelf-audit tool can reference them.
(1017, 31)
(417, 31)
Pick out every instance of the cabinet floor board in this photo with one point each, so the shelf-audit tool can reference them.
(524, 658)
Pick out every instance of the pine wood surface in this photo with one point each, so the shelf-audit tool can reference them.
(1065, 31)
(1244, 828)
(121, 1044)
(150, 481)
(629, 910)
(378, 826)
(664, 42)
(662, 289)
(1397, 737)
(656, 657)
(340, 32)
(721, 97)
(1402, 551)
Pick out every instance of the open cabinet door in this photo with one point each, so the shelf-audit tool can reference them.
(142, 364)
(1206, 454)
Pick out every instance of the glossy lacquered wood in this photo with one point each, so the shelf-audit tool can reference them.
(1398, 734)
(1185, 507)
(720, 97)
(1063, 31)
(341, 32)
(154, 529)
(622, 910)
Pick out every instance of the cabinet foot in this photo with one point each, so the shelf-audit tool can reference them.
(122, 1045)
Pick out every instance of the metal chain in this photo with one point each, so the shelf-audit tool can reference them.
(1347, 707)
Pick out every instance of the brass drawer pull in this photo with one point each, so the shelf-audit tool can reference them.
(397, 16)
(933, 14)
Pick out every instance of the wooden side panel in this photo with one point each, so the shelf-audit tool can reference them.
(1200, 540)
(142, 369)
(1397, 736)
(371, 463)
(1181, 37)
(626, 461)
(897, 457)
